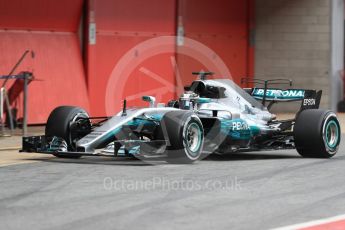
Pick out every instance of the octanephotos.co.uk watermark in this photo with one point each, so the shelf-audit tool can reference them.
(167, 184)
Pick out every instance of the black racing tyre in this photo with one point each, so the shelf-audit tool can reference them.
(317, 133)
(59, 125)
(185, 133)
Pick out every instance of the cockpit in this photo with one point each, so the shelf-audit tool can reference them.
(227, 91)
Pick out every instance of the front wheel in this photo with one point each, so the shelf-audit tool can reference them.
(69, 123)
(185, 134)
(317, 133)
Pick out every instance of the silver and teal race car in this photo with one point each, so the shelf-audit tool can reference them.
(212, 116)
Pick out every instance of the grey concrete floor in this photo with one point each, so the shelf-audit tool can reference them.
(242, 191)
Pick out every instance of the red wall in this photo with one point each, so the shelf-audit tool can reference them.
(223, 26)
(49, 28)
(121, 25)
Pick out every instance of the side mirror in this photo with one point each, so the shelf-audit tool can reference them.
(150, 99)
(203, 100)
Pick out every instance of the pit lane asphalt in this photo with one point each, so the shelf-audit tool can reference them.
(242, 191)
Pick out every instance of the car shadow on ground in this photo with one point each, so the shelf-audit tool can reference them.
(131, 161)
(95, 160)
(250, 156)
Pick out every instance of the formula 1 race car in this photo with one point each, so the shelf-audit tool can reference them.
(212, 116)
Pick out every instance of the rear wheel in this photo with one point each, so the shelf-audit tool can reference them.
(317, 133)
(64, 122)
(185, 133)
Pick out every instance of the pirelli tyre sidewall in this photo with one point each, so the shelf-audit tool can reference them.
(317, 133)
(331, 133)
(185, 135)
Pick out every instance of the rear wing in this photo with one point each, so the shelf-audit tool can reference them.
(310, 98)
(278, 94)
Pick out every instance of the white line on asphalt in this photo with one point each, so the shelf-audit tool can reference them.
(312, 223)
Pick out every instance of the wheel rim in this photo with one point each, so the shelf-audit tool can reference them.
(73, 135)
(193, 138)
(332, 134)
